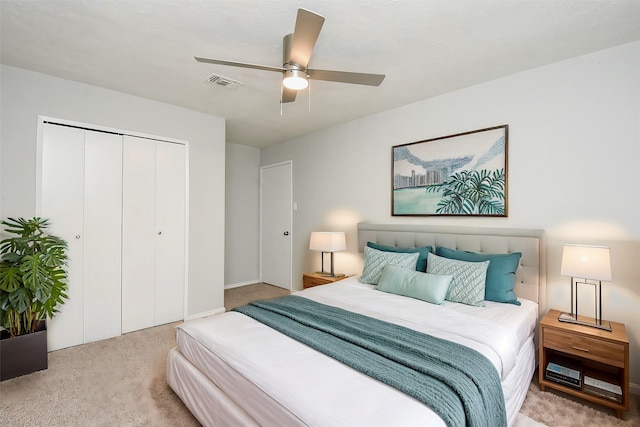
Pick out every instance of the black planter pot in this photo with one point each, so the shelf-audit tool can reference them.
(23, 354)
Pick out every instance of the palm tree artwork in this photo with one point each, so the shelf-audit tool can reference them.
(472, 192)
(462, 174)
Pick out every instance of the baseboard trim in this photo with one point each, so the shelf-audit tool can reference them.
(239, 284)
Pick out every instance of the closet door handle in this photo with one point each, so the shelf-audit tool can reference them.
(159, 233)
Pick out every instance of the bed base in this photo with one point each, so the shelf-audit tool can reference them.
(217, 409)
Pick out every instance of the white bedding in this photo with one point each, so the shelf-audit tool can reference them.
(274, 380)
(503, 328)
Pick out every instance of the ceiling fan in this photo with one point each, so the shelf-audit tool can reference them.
(297, 49)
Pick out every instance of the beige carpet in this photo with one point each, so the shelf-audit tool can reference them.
(121, 382)
(556, 409)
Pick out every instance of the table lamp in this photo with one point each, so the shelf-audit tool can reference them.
(586, 265)
(328, 241)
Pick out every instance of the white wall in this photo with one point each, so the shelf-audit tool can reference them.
(242, 205)
(25, 95)
(574, 146)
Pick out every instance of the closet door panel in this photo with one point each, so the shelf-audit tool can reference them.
(170, 236)
(138, 233)
(62, 202)
(102, 232)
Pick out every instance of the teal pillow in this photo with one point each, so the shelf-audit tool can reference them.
(422, 258)
(415, 284)
(501, 274)
(375, 261)
(468, 281)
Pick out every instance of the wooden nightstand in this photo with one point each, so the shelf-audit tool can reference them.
(316, 279)
(601, 354)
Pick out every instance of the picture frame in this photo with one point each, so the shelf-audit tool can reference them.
(464, 174)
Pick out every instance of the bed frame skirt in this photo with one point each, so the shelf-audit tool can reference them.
(217, 409)
(213, 407)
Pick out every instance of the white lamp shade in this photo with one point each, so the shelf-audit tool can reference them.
(586, 262)
(327, 241)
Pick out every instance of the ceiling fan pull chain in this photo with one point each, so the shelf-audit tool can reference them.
(309, 96)
(281, 90)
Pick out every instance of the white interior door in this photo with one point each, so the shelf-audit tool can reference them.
(138, 233)
(170, 232)
(276, 202)
(102, 235)
(62, 201)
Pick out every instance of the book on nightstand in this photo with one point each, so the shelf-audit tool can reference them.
(564, 371)
(602, 385)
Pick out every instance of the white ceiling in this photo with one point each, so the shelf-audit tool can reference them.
(425, 48)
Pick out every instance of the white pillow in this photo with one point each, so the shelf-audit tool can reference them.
(375, 261)
(468, 281)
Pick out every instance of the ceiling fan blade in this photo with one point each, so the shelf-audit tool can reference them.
(239, 64)
(346, 77)
(288, 95)
(305, 35)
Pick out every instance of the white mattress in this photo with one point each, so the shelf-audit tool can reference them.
(277, 381)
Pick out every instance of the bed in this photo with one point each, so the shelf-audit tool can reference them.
(233, 370)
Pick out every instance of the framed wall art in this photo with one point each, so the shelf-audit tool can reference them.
(457, 175)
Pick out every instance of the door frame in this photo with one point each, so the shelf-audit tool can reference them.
(262, 168)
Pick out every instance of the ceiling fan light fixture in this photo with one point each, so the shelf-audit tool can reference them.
(295, 80)
(297, 48)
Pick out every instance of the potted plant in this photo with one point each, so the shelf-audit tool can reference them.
(33, 282)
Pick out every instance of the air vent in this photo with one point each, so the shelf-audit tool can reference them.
(223, 81)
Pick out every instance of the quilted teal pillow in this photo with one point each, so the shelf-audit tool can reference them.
(375, 261)
(415, 284)
(501, 274)
(422, 258)
(468, 281)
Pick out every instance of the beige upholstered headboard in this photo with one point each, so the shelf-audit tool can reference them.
(530, 276)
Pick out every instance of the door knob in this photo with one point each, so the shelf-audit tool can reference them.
(286, 233)
(77, 236)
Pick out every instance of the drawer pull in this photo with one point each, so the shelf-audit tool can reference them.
(580, 349)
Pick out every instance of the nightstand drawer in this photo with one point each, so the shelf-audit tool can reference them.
(314, 281)
(588, 348)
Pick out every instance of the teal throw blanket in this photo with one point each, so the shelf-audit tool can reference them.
(457, 383)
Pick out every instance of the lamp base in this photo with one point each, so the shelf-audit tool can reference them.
(324, 273)
(569, 318)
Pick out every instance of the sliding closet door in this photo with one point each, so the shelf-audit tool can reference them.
(153, 233)
(138, 233)
(102, 235)
(62, 201)
(81, 195)
(170, 232)
(120, 203)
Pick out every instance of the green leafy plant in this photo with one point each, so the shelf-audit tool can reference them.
(472, 192)
(33, 275)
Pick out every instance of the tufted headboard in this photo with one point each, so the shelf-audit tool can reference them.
(530, 276)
